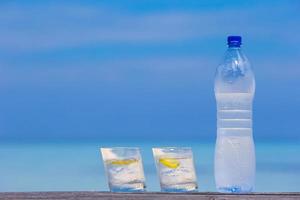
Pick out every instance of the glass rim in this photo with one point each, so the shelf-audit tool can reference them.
(172, 148)
(119, 148)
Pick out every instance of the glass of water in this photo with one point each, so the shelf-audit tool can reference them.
(124, 169)
(176, 169)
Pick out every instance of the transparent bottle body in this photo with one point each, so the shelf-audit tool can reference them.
(234, 151)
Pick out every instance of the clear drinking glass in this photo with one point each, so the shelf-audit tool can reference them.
(176, 169)
(124, 169)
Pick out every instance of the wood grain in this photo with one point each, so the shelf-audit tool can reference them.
(143, 196)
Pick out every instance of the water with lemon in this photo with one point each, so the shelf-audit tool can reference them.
(176, 172)
(125, 175)
(124, 169)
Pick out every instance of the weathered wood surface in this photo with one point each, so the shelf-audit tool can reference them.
(143, 196)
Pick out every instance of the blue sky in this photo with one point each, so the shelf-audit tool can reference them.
(140, 69)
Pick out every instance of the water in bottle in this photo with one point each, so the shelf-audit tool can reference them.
(234, 92)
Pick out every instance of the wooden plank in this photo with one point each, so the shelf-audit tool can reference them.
(143, 196)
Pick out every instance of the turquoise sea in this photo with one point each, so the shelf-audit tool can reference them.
(75, 166)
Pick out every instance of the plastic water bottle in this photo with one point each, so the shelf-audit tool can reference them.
(234, 91)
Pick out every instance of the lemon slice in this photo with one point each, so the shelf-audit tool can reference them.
(123, 162)
(170, 162)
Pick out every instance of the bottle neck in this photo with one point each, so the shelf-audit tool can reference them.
(234, 50)
(234, 47)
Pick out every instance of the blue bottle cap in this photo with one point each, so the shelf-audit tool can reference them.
(234, 41)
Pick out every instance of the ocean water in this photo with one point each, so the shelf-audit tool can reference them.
(77, 166)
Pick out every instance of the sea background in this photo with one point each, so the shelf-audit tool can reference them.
(77, 166)
(83, 74)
